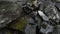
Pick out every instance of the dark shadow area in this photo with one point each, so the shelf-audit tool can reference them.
(11, 31)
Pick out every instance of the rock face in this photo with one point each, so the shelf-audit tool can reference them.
(9, 0)
(15, 0)
(50, 10)
(8, 12)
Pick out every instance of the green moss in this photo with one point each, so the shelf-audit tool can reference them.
(19, 24)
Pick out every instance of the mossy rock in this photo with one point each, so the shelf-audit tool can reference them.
(18, 24)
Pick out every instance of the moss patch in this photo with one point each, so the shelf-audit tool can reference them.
(18, 24)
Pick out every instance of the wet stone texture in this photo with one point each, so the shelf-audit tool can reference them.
(9, 11)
